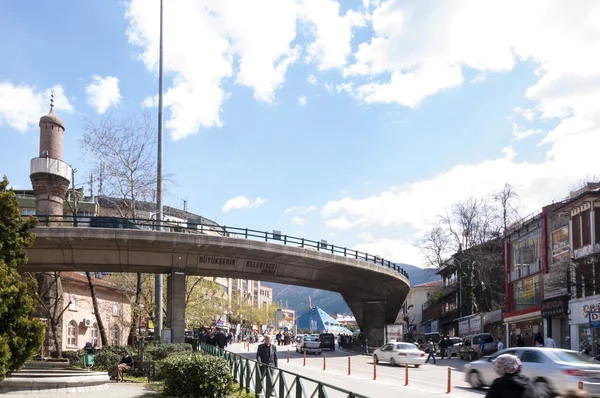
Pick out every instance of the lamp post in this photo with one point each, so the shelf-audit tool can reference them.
(140, 337)
(158, 282)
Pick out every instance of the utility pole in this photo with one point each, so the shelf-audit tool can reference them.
(158, 282)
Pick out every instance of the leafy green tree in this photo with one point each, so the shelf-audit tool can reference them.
(20, 336)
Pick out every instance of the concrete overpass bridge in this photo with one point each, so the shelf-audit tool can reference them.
(373, 288)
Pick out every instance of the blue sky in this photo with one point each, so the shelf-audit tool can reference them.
(355, 122)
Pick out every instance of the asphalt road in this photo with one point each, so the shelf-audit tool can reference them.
(427, 381)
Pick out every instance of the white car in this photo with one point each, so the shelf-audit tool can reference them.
(400, 354)
(552, 370)
(309, 344)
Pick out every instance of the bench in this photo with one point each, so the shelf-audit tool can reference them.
(147, 368)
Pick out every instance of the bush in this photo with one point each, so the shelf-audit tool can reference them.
(106, 360)
(74, 357)
(195, 375)
(162, 351)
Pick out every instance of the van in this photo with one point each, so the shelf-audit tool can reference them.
(470, 346)
(327, 341)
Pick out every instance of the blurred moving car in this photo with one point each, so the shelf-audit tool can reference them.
(552, 370)
(327, 341)
(400, 354)
(309, 344)
(470, 346)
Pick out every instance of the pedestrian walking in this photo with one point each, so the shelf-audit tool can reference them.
(266, 355)
(431, 352)
(550, 343)
(500, 345)
(365, 347)
(443, 346)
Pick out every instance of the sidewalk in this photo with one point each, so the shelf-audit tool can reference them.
(121, 390)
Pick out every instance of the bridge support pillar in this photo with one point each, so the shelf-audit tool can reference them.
(176, 306)
(373, 322)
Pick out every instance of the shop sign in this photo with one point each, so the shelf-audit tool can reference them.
(590, 308)
(594, 319)
(560, 244)
(555, 307)
(435, 327)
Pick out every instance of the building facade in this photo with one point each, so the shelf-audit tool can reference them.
(79, 323)
(582, 211)
(414, 304)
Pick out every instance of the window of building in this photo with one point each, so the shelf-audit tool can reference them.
(72, 303)
(72, 334)
(115, 336)
(597, 223)
(576, 230)
(116, 309)
(94, 334)
(588, 280)
(586, 228)
(578, 282)
(527, 251)
(27, 212)
(526, 293)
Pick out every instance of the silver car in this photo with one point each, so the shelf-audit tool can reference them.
(552, 370)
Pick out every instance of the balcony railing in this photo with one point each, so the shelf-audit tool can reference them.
(272, 381)
(51, 166)
(199, 227)
(449, 288)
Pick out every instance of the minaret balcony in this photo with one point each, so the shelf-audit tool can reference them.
(51, 166)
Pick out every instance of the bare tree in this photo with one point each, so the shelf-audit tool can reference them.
(73, 203)
(49, 296)
(126, 151)
(470, 233)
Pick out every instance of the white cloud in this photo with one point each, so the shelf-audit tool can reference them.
(300, 209)
(241, 202)
(302, 101)
(22, 106)
(202, 42)
(478, 79)
(525, 112)
(298, 220)
(520, 133)
(150, 102)
(332, 32)
(103, 93)
(312, 80)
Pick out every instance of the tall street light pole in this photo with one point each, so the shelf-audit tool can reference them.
(158, 282)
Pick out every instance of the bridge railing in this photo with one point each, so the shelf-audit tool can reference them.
(269, 381)
(207, 228)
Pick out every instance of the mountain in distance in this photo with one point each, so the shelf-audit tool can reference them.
(331, 302)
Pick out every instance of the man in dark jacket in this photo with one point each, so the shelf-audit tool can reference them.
(511, 383)
(126, 363)
(266, 354)
(443, 344)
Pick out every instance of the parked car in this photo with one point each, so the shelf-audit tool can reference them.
(309, 344)
(552, 370)
(400, 354)
(454, 344)
(470, 346)
(327, 341)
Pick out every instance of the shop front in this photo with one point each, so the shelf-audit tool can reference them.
(523, 326)
(584, 337)
(555, 312)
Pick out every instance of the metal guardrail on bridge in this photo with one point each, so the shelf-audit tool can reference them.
(213, 229)
(274, 382)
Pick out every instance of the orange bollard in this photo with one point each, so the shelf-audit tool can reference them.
(304, 358)
(374, 369)
(324, 361)
(449, 380)
(348, 366)
(406, 374)
(288, 356)
(580, 385)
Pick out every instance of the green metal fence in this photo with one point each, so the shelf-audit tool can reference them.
(204, 226)
(269, 381)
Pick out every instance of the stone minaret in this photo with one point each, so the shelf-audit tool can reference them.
(50, 176)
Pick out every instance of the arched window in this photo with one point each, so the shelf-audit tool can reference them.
(95, 333)
(115, 336)
(72, 334)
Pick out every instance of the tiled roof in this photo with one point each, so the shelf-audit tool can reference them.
(77, 277)
(437, 283)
